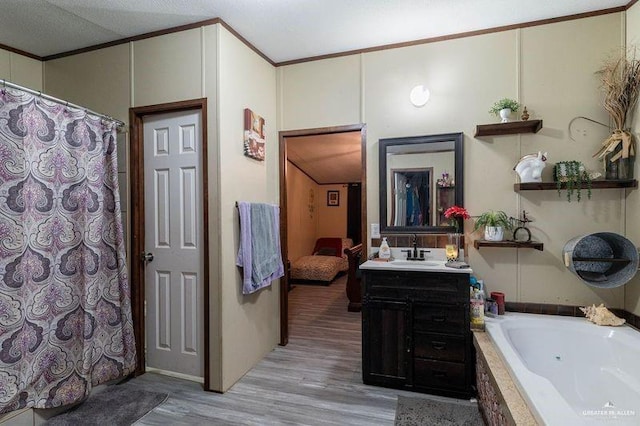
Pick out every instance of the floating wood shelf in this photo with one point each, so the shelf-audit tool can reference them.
(510, 128)
(596, 184)
(508, 244)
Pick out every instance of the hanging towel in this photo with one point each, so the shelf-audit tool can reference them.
(259, 252)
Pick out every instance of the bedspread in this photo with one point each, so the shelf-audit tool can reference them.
(318, 268)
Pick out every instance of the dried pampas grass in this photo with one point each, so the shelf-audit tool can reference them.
(620, 83)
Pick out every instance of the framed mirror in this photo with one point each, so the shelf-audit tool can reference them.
(420, 178)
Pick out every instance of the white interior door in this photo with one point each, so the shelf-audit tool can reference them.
(173, 241)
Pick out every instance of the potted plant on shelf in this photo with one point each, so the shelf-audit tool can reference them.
(504, 108)
(494, 224)
(574, 176)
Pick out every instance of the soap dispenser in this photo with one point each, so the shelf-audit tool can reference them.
(385, 251)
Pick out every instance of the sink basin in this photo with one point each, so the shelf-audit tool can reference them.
(414, 263)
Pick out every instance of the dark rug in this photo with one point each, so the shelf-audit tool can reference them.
(431, 411)
(120, 405)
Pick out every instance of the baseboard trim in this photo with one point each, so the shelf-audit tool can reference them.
(176, 375)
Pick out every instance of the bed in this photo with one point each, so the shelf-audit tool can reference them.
(327, 261)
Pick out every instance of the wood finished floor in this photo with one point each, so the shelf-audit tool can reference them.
(315, 380)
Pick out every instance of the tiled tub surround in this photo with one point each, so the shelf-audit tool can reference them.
(552, 359)
(565, 310)
(499, 399)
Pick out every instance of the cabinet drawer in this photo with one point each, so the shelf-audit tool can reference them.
(442, 319)
(439, 347)
(432, 286)
(439, 374)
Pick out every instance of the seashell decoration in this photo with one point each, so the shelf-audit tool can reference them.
(601, 316)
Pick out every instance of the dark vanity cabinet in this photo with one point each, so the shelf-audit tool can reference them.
(415, 332)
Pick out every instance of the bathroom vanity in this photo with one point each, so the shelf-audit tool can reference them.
(415, 327)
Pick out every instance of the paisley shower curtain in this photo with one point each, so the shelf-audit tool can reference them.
(65, 313)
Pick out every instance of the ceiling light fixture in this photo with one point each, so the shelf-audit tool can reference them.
(419, 96)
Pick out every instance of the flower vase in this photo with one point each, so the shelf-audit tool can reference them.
(611, 167)
(621, 147)
(625, 168)
(452, 248)
(505, 113)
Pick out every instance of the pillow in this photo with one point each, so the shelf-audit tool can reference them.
(325, 251)
(329, 242)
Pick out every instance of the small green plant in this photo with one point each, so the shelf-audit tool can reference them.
(494, 219)
(574, 176)
(502, 104)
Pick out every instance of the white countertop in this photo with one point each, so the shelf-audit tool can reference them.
(434, 262)
(413, 265)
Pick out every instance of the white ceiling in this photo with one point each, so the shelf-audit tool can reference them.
(327, 159)
(281, 29)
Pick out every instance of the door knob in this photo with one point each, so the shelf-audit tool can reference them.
(147, 257)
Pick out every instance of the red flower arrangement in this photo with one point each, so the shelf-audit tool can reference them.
(456, 212)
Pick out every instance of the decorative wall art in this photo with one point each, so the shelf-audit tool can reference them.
(333, 198)
(254, 135)
(312, 203)
(529, 168)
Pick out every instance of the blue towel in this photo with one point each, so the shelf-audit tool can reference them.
(259, 252)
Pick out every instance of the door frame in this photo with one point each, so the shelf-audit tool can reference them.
(282, 135)
(137, 271)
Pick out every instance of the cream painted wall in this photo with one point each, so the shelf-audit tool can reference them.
(549, 70)
(250, 324)
(310, 91)
(99, 80)
(308, 216)
(460, 93)
(21, 70)
(5, 64)
(168, 68)
(26, 71)
(204, 62)
(558, 95)
(303, 198)
(210, 83)
(632, 290)
(332, 220)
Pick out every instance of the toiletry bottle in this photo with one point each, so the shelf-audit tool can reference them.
(499, 298)
(477, 309)
(385, 251)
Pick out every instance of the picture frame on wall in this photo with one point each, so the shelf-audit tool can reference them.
(333, 198)
(254, 135)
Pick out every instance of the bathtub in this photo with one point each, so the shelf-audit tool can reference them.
(570, 371)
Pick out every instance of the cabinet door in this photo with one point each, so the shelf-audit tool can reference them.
(385, 342)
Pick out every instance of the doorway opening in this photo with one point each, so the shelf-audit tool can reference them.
(323, 155)
(169, 215)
